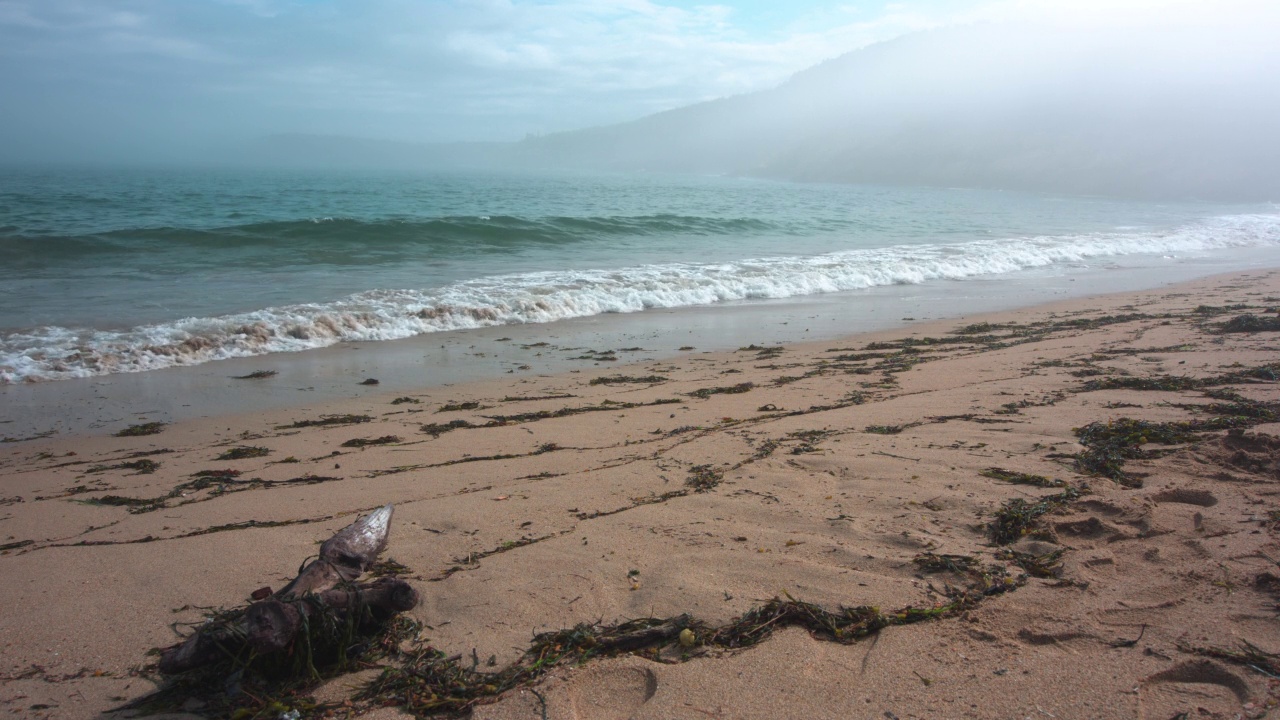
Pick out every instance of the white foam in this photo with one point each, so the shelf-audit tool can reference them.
(51, 353)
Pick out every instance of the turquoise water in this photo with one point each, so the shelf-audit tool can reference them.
(122, 270)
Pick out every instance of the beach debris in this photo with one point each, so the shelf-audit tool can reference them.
(324, 596)
(256, 375)
(890, 429)
(150, 428)
(703, 478)
(369, 381)
(621, 379)
(457, 406)
(367, 442)
(143, 467)
(1249, 323)
(1020, 478)
(932, 562)
(327, 420)
(1016, 518)
(705, 393)
(244, 451)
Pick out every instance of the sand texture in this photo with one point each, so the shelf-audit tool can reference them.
(837, 474)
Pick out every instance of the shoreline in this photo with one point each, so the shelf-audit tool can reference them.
(332, 374)
(708, 483)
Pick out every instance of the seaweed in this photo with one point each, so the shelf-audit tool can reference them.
(931, 562)
(567, 411)
(1249, 323)
(808, 440)
(454, 407)
(1108, 445)
(243, 452)
(1212, 310)
(1046, 565)
(1174, 383)
(1022, 478)
(1168, 383)
(429, 682)
(134, 505)
(438, 429)
(247, 685)
(1017, 517)
(703, 478)
(326, 421)
(367, 442)
(151, 428)
(704, 393)
(621, 379)
(256, 375)
(143, 467)
(406, 399)
(889, 429)
(222, 481)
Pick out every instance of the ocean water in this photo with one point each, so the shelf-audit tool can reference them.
(108, 271)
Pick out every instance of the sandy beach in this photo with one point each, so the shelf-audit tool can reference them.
(1085, 492)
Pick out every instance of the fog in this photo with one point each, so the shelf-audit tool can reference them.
(1177, 111)
(1138, 98)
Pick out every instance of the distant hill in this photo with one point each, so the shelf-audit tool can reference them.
(1164, 114)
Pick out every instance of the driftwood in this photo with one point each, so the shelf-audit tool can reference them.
(325, 585)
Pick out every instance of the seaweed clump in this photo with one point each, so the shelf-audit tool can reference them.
(1109, 445)
(243, 452)
(326, 421)
(1017, 518)
(457, 406)
(1045, 565)
(141, 467)
(151, 428)
(621, 379)
(248, 685)
(888, 429)
(1249, 323)
(704, 393)
(1019, 478)
(932, 562)
(367, 442)
(704, 477)
(256, 375)
(438, 429)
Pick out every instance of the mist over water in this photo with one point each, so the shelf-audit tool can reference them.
(124, 271)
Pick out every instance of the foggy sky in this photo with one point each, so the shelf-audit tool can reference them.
(1147, 97)
(154, 78)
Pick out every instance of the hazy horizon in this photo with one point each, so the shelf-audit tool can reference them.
(1154, 97)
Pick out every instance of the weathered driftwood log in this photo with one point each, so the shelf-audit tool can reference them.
(273, 624)
(324, 586)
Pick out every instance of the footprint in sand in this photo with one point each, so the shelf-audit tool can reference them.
(1189, 687)
(611, 693)
(1089, 528)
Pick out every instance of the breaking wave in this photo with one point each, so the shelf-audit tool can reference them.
(50, 353)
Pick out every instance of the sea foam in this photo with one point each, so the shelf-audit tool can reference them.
(51, 353)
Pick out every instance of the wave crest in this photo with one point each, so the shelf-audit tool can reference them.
(51, 353)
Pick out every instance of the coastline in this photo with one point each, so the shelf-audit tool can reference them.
(317, 377)
(533, 512)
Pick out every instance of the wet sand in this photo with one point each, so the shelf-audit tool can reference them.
(708, 483)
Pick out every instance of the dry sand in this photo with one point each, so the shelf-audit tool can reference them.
(828, 472)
